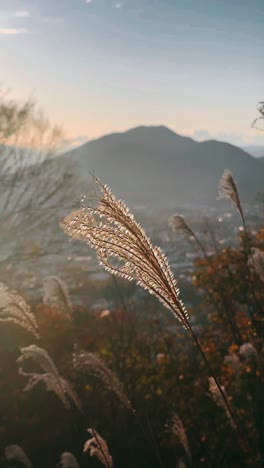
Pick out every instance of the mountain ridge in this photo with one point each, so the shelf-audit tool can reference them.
(156, 165)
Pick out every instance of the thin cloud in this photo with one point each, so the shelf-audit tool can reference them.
(12, 31)
(89, 1)
(118, 5)
(22, 14)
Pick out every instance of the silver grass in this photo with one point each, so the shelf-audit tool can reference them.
(228, 189)
(50, 377)
(16, 453)
(217, 398)
(124, 249)
(97, 447)
(68, 460)
(91, 364)
(176, 428)
(56, 295)
(257, 261)
(13, 308)
(178, 223)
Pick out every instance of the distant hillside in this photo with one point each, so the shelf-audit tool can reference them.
(255, 150)
(155, 165)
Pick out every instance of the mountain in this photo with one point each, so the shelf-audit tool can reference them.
(255, 150)
(154, 165)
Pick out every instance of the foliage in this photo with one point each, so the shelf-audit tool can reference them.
(142, 359)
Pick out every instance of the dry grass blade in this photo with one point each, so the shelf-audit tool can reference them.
(15, 453)
(228, 189)
(50, 377)
(97, 447)
(91, 364)
(177, 430)
(13, 308)
(124, 249)
(56, 295)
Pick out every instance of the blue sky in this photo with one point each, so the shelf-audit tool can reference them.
(107, 65)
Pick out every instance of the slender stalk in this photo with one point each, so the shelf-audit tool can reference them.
(242, 440)
(230, 317)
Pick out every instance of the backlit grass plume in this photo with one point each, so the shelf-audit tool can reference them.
(91, 364)
(68, 460)
(228, 189)
(177, 430)
(56, 295)
(217, 398)
(13, 308)
(15, 454)
(178, 223)
(97, 447)
(124, 249)
(50, 375)
(257, 261)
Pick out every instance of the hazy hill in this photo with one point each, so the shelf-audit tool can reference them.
(255, 150)
(156, 165)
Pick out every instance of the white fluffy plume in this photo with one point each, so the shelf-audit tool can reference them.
(13, 308)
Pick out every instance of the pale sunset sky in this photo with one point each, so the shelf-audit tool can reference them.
(99, 66)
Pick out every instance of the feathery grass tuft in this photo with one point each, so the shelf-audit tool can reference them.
(15, 453)
(68, 460)
(124, 249)
(217, 398)
(176, 428)
(13, 308)
(50, 377)
(228, 189)
(178, 223)
(97, 447)
(91, 364)
(56, 295)
(257, 262)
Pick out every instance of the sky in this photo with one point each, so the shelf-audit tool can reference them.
(101, 66)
